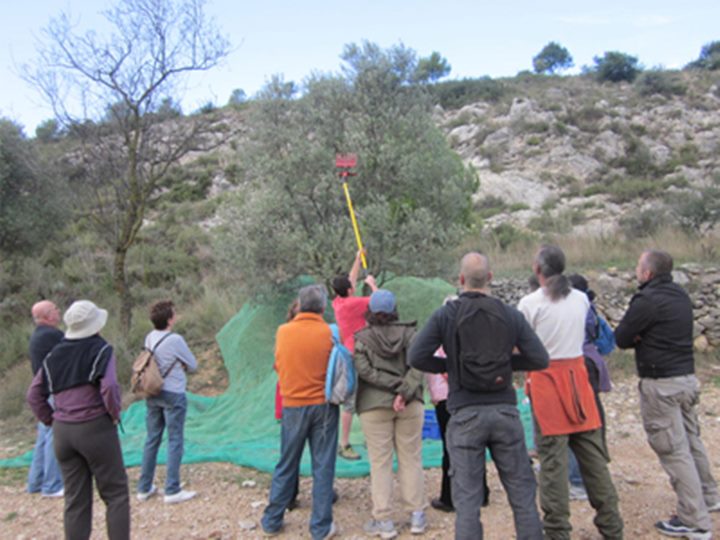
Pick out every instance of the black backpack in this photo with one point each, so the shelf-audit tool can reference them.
(484, 343)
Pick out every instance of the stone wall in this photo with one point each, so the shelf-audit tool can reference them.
(614, 289)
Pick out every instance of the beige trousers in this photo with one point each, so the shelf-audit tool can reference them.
(668, 408)
(386, 430)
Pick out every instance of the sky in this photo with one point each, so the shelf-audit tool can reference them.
(296, 37)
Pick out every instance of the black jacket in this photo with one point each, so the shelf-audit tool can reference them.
(659, 325)
(43, 339)
(440, 330)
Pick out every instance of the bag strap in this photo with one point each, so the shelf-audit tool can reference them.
(167, 371)
(335, 333)
(159, 342)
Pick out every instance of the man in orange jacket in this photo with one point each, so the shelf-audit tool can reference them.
(302, 349)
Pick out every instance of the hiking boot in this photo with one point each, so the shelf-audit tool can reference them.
(383, 529)
(677, 529)
(349, 453)
(180, 496)
(142, 497)
(437, 504)
(418, 522)
(578, 493)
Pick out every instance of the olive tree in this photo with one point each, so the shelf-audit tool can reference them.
(411, 193)
(30, 195)
(108, 89)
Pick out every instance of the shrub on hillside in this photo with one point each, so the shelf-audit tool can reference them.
(505, 235)
(629, 189)
(642, 224)
(455, 94)
(709, 57)
(665, 83)
(616, 66)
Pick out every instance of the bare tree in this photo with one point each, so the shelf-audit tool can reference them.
(118, 80)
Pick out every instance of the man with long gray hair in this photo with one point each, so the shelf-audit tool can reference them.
(302, 349)
(659, 326)
(563, 402)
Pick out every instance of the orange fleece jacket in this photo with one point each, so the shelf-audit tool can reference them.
(302, 349)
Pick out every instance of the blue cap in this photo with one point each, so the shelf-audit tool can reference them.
(382, 301)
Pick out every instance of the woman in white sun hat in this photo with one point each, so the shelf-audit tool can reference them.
(80, 374)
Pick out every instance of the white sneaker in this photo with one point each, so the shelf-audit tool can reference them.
(577, 493)
(180, 496)
(332, 532)
(418, 522)
(714, 507)
(142, 497)
(54, 495)
(383, 529)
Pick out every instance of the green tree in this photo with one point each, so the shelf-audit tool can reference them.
(237, 97)
(30, 199)
(552, 58)
(616, 66)
(48, 131)
(709, 57)
(121, 78)
(411, 193)
(432, 68)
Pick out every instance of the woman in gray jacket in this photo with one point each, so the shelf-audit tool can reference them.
(390, 406)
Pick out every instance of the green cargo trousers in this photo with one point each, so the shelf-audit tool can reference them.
(592, 457)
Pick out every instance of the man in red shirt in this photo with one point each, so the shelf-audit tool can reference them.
(350, 317)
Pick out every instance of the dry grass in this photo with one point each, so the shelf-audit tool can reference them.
(583, 252)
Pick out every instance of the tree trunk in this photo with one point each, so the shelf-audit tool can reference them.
(123, 291)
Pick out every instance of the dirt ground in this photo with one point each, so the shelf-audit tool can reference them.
(225, 509)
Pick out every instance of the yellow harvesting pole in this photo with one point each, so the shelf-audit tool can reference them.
(345, 163)
(355, 225)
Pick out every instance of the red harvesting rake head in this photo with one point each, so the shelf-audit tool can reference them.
(345, 161)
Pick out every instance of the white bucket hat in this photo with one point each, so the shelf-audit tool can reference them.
(84, 319)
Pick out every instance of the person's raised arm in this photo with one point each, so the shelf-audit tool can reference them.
(355, 270)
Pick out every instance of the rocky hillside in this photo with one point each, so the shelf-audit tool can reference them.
(571, 153)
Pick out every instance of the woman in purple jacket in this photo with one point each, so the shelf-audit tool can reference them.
(80, 377)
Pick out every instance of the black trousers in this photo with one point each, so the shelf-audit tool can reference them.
(443, 417)
(88, 450)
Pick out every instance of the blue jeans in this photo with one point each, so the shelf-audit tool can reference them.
(317, 424)
(471, 431)
(165, 410)
(574, 475)
(44, 475)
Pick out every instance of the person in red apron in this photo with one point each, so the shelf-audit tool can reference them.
(563, 402)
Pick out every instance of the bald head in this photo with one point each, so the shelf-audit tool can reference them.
(475, 271)
(46, 313)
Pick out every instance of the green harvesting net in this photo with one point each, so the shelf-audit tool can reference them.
(239, 426)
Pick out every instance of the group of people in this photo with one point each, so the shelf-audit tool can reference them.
(470, 348)
(77, 400)
(467, 351)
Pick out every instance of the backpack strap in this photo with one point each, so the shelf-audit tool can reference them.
(335, 333)
(167, 371)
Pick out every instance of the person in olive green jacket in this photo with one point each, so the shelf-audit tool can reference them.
(390, 406)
